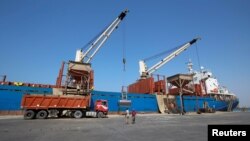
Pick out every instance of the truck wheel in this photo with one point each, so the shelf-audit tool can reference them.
(30, 114)
(42, 114)
(100, 115)
(78, 114)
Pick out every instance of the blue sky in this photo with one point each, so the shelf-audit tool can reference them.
(37, 35)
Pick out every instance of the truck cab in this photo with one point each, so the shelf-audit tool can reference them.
(101, 108)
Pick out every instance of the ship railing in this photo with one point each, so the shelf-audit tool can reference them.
(221, 97)
(27, 84)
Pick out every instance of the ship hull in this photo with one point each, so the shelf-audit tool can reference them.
(11, 95)
(10, 100)
(193, 103)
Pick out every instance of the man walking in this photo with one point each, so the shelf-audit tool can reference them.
(133, 116)
(127, 116)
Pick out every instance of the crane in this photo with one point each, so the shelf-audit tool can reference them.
(96, 43)
(80, 75)
(145, 72)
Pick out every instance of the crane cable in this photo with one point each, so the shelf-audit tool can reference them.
(94, 38)
(124, 47)
(161, 54)
(124, 58)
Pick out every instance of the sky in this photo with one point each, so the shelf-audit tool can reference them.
(37, 35)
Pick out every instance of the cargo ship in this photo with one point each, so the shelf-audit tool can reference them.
(191, 92)
(200, 91)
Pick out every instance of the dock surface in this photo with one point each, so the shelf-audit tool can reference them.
(148, 127)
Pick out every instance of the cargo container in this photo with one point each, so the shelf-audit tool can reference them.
(148, 86)
(44, 106)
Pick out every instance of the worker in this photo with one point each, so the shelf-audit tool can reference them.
(127, 116)
(133, 116)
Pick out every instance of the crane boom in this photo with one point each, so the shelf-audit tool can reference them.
(144, 72)
(88, 55)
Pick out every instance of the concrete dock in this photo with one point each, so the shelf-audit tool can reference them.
(148, 127)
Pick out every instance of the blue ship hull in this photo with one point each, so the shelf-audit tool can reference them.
(10, 100)
(140, 102)
(10, 96)
(192, 103)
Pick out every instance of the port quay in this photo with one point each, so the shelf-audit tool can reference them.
(148, 127)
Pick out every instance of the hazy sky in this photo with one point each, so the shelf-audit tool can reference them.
(37, 35)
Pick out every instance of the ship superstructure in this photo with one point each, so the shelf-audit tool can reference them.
(203, 92)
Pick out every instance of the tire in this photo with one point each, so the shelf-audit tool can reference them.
(29, 114)
(42, 114)
(78, 114)
(100, 115)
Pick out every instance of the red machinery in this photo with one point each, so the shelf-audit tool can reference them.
(149, 85)
(39, 106)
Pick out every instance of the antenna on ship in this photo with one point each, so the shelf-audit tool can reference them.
(190, 66)
(3, 77)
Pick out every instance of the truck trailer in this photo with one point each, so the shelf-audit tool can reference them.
(44, 106)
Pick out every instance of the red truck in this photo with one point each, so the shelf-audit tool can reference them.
(42, 106)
